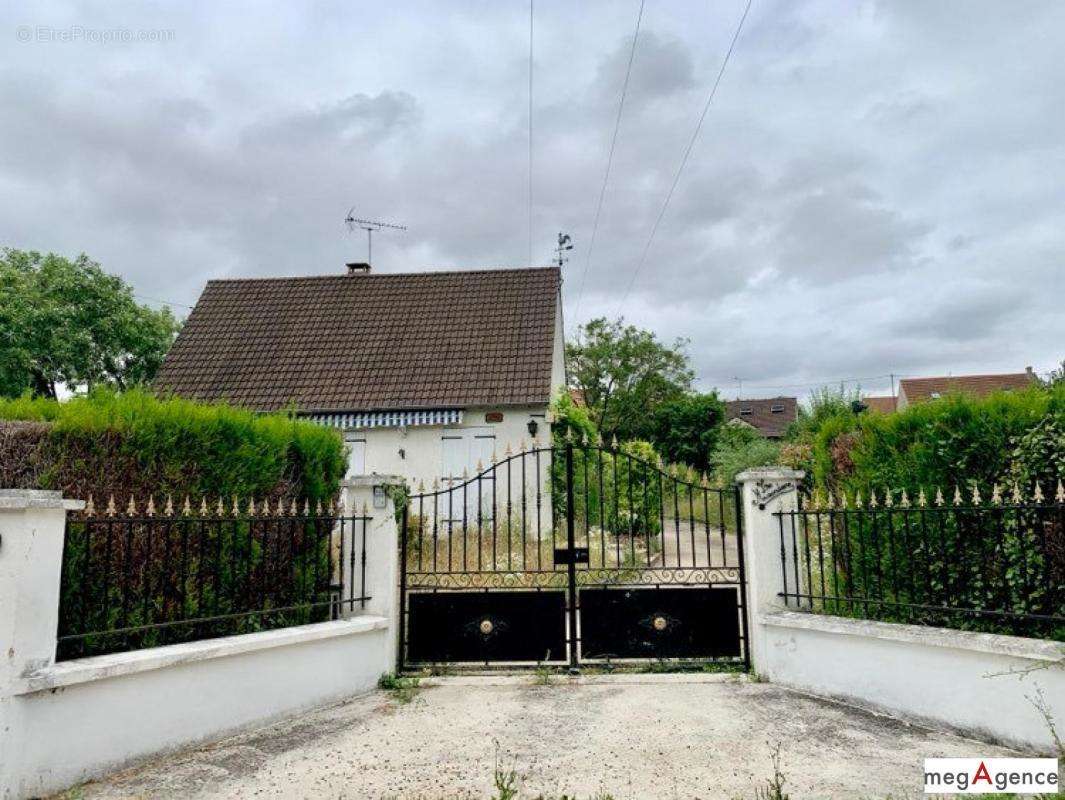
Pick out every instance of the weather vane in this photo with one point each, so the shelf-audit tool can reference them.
(564, 243)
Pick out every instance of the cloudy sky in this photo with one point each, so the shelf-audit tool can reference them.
(879, 187)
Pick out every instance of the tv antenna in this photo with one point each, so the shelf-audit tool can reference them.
(565, 242)
(369, 225)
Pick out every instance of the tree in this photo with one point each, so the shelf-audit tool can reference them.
(624, 374)
(65, 321)
(685, 430)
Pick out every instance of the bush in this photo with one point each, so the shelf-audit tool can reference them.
(137, 444)
(686, 430)
(957, 440)
(740, 448)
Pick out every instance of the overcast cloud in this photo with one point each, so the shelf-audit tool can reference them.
(879, 187)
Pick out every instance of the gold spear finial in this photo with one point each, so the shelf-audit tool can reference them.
(90, 509)
(977, 500)
(843, 502)
(251, 506)
(830, 501)
(598, 439)
(1016, 497)
(889, 501)
(168, 509)
(858, 498)
(922, 499)
(940, 500)
(614, 441)
(306, 507)
(480, 467)
(293, 510)
(265, 508)
(111, 510)
(1037, 494)
(957, 495)
(150, 510)
(318, 508)
(236, 507)
(131, 509)
(872, 498)
(365, 509)
(421, 486)
(996, 494)
(508, 452)
(905, 501)
(704, 482)
(220, 508)
(1059, 495)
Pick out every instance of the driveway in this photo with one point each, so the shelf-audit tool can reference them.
(636, 737)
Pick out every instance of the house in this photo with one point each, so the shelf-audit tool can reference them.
(770, 417)
(881, 405)
(917, 390)
(427, 374)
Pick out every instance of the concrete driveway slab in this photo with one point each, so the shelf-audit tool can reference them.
(639, 737)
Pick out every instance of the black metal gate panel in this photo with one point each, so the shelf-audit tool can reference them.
(571, 554)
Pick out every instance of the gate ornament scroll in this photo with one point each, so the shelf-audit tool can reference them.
(764, 491)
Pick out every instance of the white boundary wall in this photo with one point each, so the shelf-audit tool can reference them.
(978, 684)
(61, 724)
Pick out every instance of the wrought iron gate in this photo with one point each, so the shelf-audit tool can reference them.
(580, 553)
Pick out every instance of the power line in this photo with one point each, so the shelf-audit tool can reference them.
(811, 384)
(609, 160)
(684, 160)
(164, 302)
(530, 131)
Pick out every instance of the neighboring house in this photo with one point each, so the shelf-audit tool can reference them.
(427, 374)
(770, 417)
(881, 405)
(917, 390)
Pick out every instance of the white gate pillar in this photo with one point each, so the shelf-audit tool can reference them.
(369, 496)
(32, 527)
(765, 491)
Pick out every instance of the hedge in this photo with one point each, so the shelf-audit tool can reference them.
(956, 440)
(135, 444)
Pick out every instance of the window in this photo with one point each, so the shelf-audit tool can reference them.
(777, 409)
(356, 456)
(746, 412)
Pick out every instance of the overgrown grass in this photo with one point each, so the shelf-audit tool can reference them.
(402, 688)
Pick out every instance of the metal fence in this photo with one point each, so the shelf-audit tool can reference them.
(995, 565)
(140, 579)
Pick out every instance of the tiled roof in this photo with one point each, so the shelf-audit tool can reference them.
(918, 389)
(882, 405)
(760, 414)
(370, 341)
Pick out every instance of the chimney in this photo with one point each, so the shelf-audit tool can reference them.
(1031, 373)
(358, 268)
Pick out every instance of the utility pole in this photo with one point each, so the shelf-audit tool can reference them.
(739, 391)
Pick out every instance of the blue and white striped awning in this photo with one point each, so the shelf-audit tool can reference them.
(389, 419)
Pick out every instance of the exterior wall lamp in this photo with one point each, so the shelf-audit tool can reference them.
(533, 428)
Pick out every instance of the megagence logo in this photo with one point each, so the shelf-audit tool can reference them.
(990, 775)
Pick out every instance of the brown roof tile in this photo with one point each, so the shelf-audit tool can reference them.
(370, 341)
(918, 389)
(881, 405)
(760, 414)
